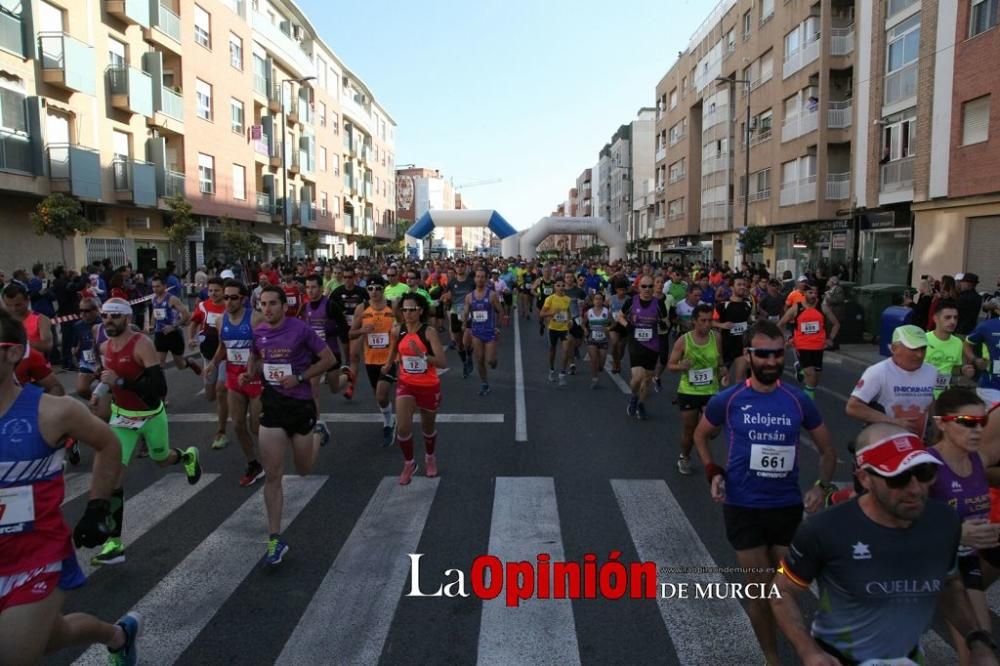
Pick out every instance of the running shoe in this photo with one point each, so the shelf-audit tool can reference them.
(349, 391)
(552, 375)
(112, 553)
(128, 654)
(593, 382)
(323, 432)
(220, 441)
(572, 368)
(191, 465)
(430, 462)
(631, 410)
(640, 411)
(484, 389)
(684, 465)
(409, 469)
(349, 373)
(657, 384)
(562, 379)
(276, 550)
(73, 451)
(799, 375)
(387, 436)
(253, 473)
(195, 367)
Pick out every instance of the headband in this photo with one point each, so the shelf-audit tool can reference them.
(116, 307)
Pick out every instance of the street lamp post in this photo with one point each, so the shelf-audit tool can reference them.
(284, 165)
(746, 177)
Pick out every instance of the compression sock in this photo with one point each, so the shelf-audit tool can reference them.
(386, 415)
(430, 441)
(406, 446)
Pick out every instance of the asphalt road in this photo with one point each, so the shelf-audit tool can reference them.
(588, 479)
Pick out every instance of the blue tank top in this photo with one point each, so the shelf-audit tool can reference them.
(21, 443)
(238, 338)
(482, 314)
(85, 343)
(163, 313)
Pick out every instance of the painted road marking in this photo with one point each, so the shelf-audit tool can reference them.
(540, 631)
(619, 382)
(351, 612)
(521, 412)
(77, 484)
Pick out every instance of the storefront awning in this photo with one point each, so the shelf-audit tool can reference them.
(271, 239)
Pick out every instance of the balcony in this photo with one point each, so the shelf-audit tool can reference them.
(661, 153)
(677, 177)
(715, 216)
(131, 90)
(898, 175)
(838, 114)
(901, 85)
(75, 170)
(11, 33)
(265, 203)
(292, 110)
(173, 184)
(134, 12)
(800, 124)
(713, 117)
(67, 62)
(838, 186)
(164, 23)
(795, 193)
(134, 180)
(659, 223)
(805, 55)
(842, 41)
(676, 215)
(760, 136)
(715, 164)
(15, 152)
(292, 161)
(274, 99)
(282, 45)
(356, 111)
(305, 214)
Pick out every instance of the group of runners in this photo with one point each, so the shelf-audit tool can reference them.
(267, 351)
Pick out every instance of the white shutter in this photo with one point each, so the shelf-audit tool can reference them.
(982, 246)
(976, 120)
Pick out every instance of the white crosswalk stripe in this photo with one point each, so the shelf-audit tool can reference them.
(351, 611)
(77, 483)
(180, 606)
(525, 523)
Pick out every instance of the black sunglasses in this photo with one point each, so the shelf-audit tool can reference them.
(924, 473)
(374, 287)
(764, 352)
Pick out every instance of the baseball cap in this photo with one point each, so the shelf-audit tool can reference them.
(803, 278)
(894, 455)
(910, 336)
(967, 277)
(227, 275)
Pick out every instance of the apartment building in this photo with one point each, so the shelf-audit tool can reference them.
(797, 61)
(241, 108)
(625, 163)
(420, 190)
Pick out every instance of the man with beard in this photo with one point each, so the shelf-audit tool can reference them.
(349, 296)
(759, 489)
(133, 372)
(883, 563)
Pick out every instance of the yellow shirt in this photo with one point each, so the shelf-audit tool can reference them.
(558, 307)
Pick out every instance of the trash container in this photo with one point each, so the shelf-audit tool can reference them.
(874, 299)
(892, 317)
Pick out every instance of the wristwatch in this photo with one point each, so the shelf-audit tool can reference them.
(980, 636)
(300, 379)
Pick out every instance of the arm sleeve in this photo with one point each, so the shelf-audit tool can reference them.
(715, 410)
(802, 562)
(868, 387)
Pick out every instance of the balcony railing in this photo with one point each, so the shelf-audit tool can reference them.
(801, 58)
(841, 41)
(172, 103)
(759, 195)
(659, 223)
(131, 89)
(901, 85)
(260, 84)
(838, 186)
(169, 23)
(838, 114)
(75, 169)
(798, 125)
(898, 175)
(676, 215)
(265, 203)
(713, 117)
(661, 154)
(714, 164)
(798, 192)
(174, 184)
(676, 177)
(11, 32)
(67, 62)
(760, 136)
(15, 152)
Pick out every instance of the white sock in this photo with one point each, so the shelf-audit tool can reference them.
(386, 415)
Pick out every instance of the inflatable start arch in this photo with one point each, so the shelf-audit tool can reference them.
(545, 227)
(460, 218)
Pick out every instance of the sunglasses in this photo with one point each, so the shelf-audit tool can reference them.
(84, 310)
(966, 420)
(390, 275)
(645, 286)
(374, 287)
(232, 298)
(411, 308)
(764, 352)
(924, 473)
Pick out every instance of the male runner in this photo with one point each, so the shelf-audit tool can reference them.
(986, 334)
(576, 289)
(282, 354)
(555, 309)
(169, 315)
(944, 349)
(372, 325)
(482, 308)
(349, 296)
(644, 315)
(698, 357)
(133, 372)
(809, 338)
(325, 317)
(235, 331)
(395, 289)
(760, 486)
(39, 565)
(293, 293)
(83, 350)
(733, 317)
(203, 332)
(37, 326)
(543, 287)
(457, 290)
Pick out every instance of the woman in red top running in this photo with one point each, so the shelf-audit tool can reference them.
(418, 349)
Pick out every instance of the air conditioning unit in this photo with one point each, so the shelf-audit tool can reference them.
(138, 222)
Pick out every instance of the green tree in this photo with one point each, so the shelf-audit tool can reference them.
(245, 245)
(367, 243)
(752, 239)
(308, 237)
(61, 217)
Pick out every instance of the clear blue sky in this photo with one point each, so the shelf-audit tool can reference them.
(526, 91)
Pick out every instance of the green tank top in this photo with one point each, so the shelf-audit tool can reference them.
(703, 377)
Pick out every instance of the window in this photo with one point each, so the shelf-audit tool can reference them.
(760, 185)
(677, 171)
(792, 43)
(731, 41)
(206, 173)
(259, 74)
(321, 159)
(323, 204)
(116, 53)
(203, 93)
(903, 44)
(239, 181)
(335, 122)
(236, 115)
(899, 136)
(747, 23)
(983, 16)
(12, 110)
(202, 27)
(336, 205)
(675, 208)
(335, 164)
(767, 66)
(766, 10)
(976, 120)
(235, 51)
(673, 98)
(321, 113)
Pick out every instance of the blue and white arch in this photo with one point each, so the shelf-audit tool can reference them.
(460, 218)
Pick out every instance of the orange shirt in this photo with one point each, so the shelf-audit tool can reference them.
(377, 341)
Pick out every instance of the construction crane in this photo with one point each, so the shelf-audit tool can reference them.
(478, 183)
